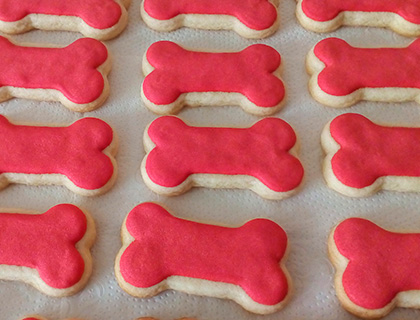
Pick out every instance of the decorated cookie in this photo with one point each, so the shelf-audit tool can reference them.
(176, 77)
(79, 156)
(402, 16)
(250, 19)
(376, 270)
(100, 19)
(261, 158)
(75, 75)
(244, 264)
(343, 75)
(363, 157)
(49, 251)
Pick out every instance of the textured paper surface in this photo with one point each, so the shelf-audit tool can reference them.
(307, 217)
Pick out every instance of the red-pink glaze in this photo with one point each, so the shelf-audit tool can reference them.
(348, 69)
(45, 242)
(72, 70)
(381, 263)
(369, 151)
(260, 151)
(99, 14)
(178, 71)
(164, 246)
(74, 151)
(255, 14)
(329, 9)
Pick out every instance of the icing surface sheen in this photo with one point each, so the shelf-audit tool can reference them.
(369, 151)
(99, 14)
(178, 71)
(255, 14)
(329, 9)
(45, 242)
(74, 151)
(381, 263)
(164, 245)
(348, 69)
(260, 151)
(72, 70)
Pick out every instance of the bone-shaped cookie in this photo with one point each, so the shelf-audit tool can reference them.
(363, 157)
(176, 77)
(402, 16)
(49, 251)
(163, 252)
(376, 270)
(260, 158)
(343, 75)
(79, 156)
(101, 19)
(75, 75)
(250, 19)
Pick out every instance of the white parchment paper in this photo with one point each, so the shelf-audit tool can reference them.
(307, 217)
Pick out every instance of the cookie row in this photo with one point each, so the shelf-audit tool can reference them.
(175, 77)
(361, 157)
(251, 19)
(51, 251)
(76, 75)
(375, 268)
(81, 156)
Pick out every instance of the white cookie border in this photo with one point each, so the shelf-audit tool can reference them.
(209, 22)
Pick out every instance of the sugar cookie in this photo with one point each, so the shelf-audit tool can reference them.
(75, 75)
(250, 19)
(79, 156)
(176, 77)
(342, 75)
(376, 269)
(363, 157)
(244, 264)
(100, 19)
(402, 16)
(261, 158)
(49, 251)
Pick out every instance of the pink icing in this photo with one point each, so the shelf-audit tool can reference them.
(381, 263)
(164, 245)
(260, 151)
(348, 69)
(45, 242)
(72, 70)
(178, 71)
(255, 14)
(369, 151)
(328, 10)
(99, 14)
(74, 151)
